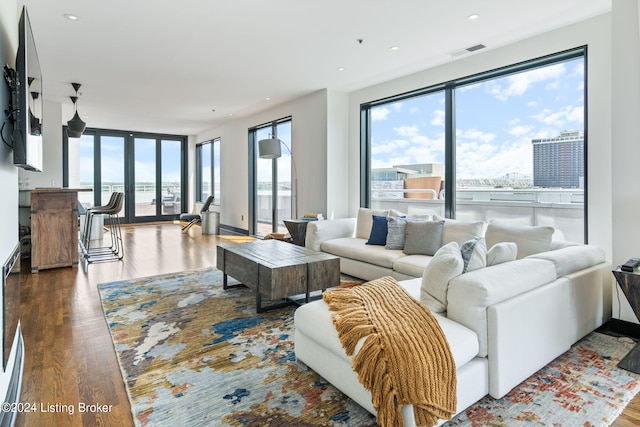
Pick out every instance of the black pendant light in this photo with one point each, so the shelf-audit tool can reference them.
(75, 126)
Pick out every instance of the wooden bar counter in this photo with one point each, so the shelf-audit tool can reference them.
(54, 228)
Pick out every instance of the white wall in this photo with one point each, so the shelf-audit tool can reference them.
(338, 164)
(625, 139)
(309, 145)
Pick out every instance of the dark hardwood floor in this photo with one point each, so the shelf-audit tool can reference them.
(69, 356)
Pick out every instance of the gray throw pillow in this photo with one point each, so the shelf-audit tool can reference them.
(395, 232)
(423, 237)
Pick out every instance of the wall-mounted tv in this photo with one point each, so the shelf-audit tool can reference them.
(27, 101)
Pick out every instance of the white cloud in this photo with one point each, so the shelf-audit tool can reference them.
(411, 130)
(475, 160)
(575, 114)
(518, 84)
(381, 113)
(475, 135)
(388, 146)
(438, 118)
(562, 117)
(520, 130)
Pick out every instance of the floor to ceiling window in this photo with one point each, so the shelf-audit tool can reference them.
(407, 169)
(208, 170)
(272, 182)
(147, 168)
(508, 144)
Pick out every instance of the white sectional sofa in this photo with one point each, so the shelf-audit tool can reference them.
(503, 322)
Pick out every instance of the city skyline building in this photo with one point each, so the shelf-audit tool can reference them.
(559, 162)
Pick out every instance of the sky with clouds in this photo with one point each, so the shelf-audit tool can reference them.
(495, 122)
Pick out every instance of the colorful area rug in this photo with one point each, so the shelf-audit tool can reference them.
(192, 354)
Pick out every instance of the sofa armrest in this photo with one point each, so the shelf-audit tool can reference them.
(470, 294)
(320, 231)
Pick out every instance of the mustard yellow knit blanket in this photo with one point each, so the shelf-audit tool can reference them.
(405, 359)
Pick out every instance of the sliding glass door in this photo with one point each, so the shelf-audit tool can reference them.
(111, 171)
(273, 183)
(147, 168)
(145, 194)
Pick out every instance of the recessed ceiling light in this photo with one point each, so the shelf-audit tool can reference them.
(267, 99)
(473, 17)
(340, 68)
(394, 48)
(71, 16)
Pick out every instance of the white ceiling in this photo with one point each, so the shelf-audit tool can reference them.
(164, 65)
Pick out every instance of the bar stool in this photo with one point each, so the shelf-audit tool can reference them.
(113, 251)
(88, 223)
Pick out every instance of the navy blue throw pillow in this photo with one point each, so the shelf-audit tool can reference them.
(378, 234)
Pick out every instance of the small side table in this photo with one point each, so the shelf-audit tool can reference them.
(298, 230)
(630, 284)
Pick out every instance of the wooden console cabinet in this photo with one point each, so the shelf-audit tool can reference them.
(54, 228)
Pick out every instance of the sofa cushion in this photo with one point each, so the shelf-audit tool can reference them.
(529, 239)
(502, 252)
(470, 294)
(423, 237)
(321, 231)
(411, 265)
(474, 254)
(365, 221)
(573, 258)
(351, 247)
(445, 265)
(315, 321)
(378, 235)
(460, 231)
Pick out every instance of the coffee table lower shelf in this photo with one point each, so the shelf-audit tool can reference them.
(286, 302)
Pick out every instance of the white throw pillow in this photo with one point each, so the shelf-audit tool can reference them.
(365, 221)
(529, 239)
(445, 265)
(459, 231)
(502, 252)
(474, 254)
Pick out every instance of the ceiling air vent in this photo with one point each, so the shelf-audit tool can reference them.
(467, 50)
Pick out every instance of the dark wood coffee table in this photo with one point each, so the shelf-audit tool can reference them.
(277, 270)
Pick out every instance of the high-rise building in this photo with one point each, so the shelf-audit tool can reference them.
(559, 162)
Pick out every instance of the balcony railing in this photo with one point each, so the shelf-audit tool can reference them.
(562, 209)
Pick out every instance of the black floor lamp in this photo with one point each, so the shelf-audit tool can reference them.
(270, 149)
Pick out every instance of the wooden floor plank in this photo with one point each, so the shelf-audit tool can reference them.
(69, 355)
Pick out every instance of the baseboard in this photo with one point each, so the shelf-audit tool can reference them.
(228, 229)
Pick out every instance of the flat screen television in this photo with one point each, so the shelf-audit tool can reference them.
(27, 101)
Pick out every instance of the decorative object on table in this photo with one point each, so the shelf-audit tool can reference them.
(312, 217)
(193, 354)
(270, 149)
